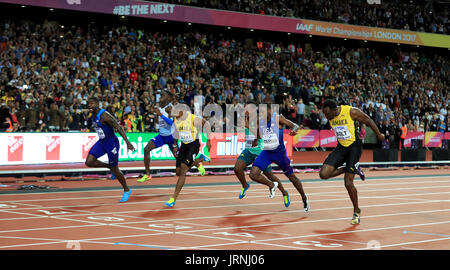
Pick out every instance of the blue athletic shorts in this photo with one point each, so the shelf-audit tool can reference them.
(162, 140)
(248, 157)
(267, 157)
(109, 147)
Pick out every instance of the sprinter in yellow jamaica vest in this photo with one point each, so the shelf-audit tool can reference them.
(187, 129)
(344, 119)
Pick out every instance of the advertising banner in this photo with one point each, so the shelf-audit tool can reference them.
(433, 139)
(87, 142)
(44, 148)
(226, 144)
(328, 138)
(53, 148)
(164, 11)
(413, 136)
(306, 138)
(140, 140)
(288, 142)
(15, 148)
(447, 136)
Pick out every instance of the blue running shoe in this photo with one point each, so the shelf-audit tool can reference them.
(126, 195)
(113, 176)
(203, 157)
(170, 203)
(243, 190)
(287, 201)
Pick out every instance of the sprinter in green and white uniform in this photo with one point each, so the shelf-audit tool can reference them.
(253, 148)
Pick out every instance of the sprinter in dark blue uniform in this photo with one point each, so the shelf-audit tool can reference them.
(105, 124)
(274, 151)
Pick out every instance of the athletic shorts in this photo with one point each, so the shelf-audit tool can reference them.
(267, 157)
(349, 155)
(187, 153)
(109, 147)
(162, 140)
(248, 157)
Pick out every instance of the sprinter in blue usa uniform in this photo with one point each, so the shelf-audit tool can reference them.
(164, 137)
(274, 151)
(105, 124)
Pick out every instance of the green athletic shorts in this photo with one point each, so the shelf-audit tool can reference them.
(249, 157)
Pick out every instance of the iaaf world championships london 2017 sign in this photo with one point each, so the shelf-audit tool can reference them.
(163, 11)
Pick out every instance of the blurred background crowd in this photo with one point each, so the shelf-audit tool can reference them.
(48, 70)
(417, 15)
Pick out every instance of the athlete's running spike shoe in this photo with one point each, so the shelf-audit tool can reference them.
(125, 196)
(201, 169)
(203, 157)
(306, 205)
(272, 190)
(243, 190)
(145, 178)
(360, 172)
(287, 201)
(356, 219)
(170, 203)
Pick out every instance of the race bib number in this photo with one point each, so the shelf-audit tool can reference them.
(342, 132)
(100, 133)
(186, 137)
(270, 141)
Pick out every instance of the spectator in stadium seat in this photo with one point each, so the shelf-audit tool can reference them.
(300, 111)
(219, 62)
(55, 118)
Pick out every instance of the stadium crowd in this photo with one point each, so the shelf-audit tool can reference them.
(48, 72)
(418, 15)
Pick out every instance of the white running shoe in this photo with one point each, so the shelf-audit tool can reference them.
(272, 190)
(306, 205)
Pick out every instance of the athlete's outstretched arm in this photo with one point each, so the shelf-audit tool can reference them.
(290, 124)
(358, 115)
(165, 118)
(108, 119)
(206, 127)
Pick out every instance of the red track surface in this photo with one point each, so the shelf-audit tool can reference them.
(403, 209)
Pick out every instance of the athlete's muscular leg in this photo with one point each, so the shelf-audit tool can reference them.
(352, 192)
(298, 185)
(273, 178)
(148, 148)
(239, 168)
(92, 161)
(255, 175)
(120, 177)
(328, 171)
(182, 171)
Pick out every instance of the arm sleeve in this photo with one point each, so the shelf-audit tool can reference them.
(167, 119)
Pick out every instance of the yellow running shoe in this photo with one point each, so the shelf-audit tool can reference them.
(170, 203)
(356, 218)
(287, 201)
(144, 178)
(201, 169)
(243, 190)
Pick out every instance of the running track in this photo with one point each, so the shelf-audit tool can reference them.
(402, 210)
